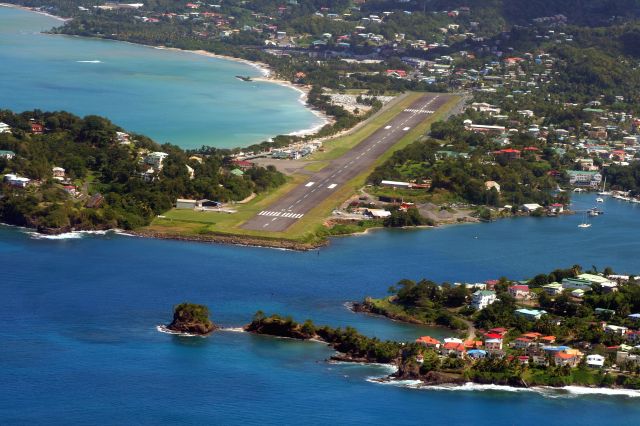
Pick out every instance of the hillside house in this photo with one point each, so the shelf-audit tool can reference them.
(429, 342)
(519, 291)
(483, 298)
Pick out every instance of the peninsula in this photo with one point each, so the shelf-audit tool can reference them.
(567, 327)
(472, 127)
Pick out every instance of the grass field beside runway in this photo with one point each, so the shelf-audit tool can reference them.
(309, 229)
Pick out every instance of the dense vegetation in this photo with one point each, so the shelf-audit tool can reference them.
(348, 341)
(435, 369)
(426, 302)
(97, 165)
(624, 177)
(457, 162)
(191, 318)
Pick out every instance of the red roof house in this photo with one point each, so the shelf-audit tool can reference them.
(37, 128)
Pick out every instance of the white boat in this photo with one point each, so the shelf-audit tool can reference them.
(585, 223)
(599, 200)
(604, 184)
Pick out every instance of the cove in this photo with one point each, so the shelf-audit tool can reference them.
(171, 96)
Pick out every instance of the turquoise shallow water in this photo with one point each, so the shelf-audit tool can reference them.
(79, 345)
(178, 97)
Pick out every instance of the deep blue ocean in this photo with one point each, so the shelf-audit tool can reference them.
(178, 97)
(79, 345)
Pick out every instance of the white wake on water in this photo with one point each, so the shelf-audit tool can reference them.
(95, 61)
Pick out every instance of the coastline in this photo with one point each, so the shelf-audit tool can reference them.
(433, 380)
(236, 240)
(34, 10)
(544, 391)
(267, 74)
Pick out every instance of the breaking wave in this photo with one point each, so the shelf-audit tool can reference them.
(545, 391)
(164, 329)
(64, 236)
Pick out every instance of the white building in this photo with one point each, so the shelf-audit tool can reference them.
(615, 329)
(531, 207)
(378, 213)
(123, 138)
(483, 298)
(4, 128)
(595, 361)
(585, 178)
(58, 172)
(155, 159)
(493, 345)
(15, 180)
(185, 204)
(7, 154)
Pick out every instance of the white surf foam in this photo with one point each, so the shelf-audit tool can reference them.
(125, 233)
(233, 329)
(164, 329)
(413, 384)
(579, 390)
(64, 236)
(389, 368)
(545, 391)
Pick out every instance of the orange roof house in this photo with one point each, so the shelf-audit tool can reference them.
(428, 341)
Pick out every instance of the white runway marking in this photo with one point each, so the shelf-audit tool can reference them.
(309, 184)
(420, 111)
(275, 215)
(406, 128)
(387, 127)
(333, 185)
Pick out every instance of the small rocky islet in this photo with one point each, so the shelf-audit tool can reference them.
(193, 319)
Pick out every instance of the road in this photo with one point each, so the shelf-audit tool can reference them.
(296, 203)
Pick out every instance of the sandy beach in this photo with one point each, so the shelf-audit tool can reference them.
(267, 74)
(34, 10)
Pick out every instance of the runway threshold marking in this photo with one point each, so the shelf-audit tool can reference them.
(276, 215)
(309, 184)
(333, 185)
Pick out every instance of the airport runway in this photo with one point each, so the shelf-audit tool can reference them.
(296, 203)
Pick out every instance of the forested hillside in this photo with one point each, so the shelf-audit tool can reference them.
(107, 179)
